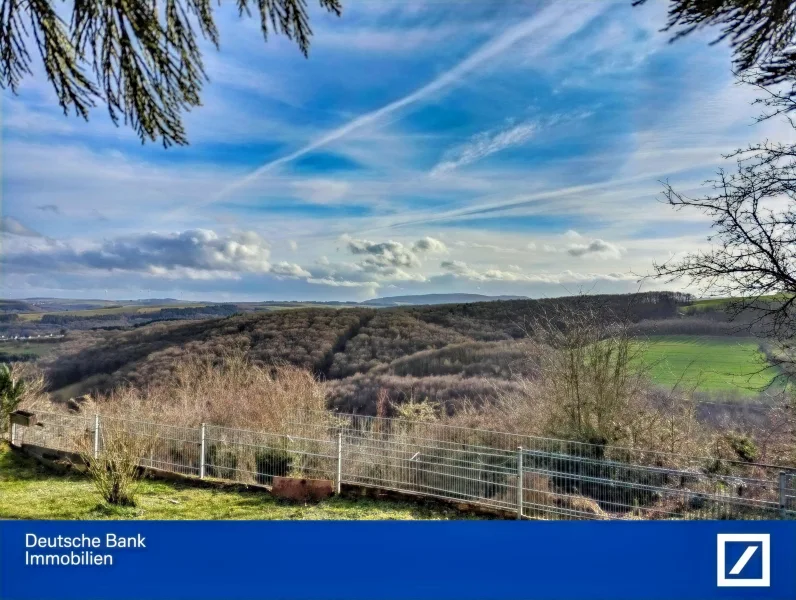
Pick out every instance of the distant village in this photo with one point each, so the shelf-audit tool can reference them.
(31, 337)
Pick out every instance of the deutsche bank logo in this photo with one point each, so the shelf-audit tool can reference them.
(744, 559)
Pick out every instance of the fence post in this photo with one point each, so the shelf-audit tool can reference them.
(202, 455)
(13, 434)
(339, 461)
(96, 436)
(783, 499)
(519, 482)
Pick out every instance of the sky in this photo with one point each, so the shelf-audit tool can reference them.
(423, 147)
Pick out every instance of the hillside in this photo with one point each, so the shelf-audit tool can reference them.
(440, 352)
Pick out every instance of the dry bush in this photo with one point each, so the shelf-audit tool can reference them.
(592, 376)
(226, 391)
(518, 409)
(360, 393)
(115, 468)
(124, 444)
(281, 409)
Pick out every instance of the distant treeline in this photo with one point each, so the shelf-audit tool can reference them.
(193, 312)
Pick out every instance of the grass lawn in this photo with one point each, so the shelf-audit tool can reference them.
(710, 363)
(29, 490)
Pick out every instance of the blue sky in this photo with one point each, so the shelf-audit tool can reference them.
(424, 147)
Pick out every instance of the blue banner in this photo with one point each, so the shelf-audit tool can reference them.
(105, 560)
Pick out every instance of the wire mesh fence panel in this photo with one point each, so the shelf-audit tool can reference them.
(560, 478)
(169, 448)
(258, 457)
(546, 478)
(402, 460)
(58, 431)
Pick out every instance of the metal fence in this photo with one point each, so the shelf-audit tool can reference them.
(532, 477)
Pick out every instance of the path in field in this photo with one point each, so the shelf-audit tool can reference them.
(711, 363)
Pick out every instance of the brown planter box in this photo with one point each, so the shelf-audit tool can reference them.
(23, 417)
(302, 490)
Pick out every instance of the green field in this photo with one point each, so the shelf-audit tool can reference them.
(27, 347)
(113, 310)
(708, 304)
(31, 491)
(707, 363)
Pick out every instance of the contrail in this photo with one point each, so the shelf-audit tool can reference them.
(555, 14)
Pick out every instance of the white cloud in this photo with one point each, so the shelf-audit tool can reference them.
(342, 283)
(484, 144)
(430, 245)
(193, 253)
(11, 226)
(286, 269)
(463, 270)
(391, 259)
(382, 254)
(292, 245)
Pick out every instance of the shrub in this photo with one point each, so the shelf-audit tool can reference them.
(743, 446)
(115, 470)
(222, 462)
(422, 411)
(270, 463)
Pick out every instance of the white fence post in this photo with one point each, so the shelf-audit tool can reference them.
(202, 455)
(96, 436)
(339, 461)
(519, 482)
(13, 434)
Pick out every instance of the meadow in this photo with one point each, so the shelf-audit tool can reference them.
(26, 347)
(112, 310)
(708, 363)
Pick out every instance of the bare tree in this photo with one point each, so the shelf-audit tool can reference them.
(593, 374)
(752, 257)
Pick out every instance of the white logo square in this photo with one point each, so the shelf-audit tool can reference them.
(724, 570)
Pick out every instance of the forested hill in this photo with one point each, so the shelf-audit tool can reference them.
(338, 344)
(426, 299)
